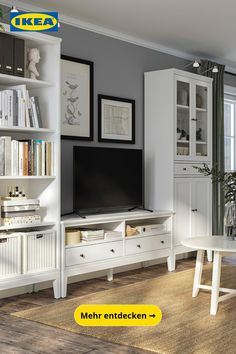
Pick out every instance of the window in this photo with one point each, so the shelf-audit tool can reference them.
(230, 131)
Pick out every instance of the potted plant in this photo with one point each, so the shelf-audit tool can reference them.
(2, 28)
(228, 182)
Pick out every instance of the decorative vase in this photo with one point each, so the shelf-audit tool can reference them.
(230, 220)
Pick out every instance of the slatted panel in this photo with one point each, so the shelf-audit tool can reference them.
(10, 255)
(40, 251)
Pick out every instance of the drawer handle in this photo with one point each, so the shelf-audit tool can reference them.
(19, 69)
(8, 67)
(3, 240)
(82, 255)
(194, 119)
(194, 210)
(162, 241)
(139, 246)
(39, 236)
(112, 250)
(184, 169)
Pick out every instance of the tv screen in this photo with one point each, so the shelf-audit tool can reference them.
(107, 179)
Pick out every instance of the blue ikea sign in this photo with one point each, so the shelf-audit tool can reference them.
(34, 21)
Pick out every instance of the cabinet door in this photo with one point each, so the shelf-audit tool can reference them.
(183, 122)
(201, 121)
(201, 190)
(182, 207)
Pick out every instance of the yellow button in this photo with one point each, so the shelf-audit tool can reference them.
(117, 315)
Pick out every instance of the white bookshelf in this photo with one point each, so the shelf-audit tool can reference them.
(44, 188)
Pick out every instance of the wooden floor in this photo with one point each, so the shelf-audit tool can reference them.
(22, 336)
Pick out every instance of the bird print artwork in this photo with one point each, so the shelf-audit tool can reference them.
(72, 112)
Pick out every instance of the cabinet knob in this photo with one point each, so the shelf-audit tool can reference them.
(194, 210)
(184, 169)
(139, 246)
(82, 255)
(162, 241)
(194, 119)
(112, 250)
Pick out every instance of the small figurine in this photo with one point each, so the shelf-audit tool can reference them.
(184, 135)
(199, 134)
(33, 58)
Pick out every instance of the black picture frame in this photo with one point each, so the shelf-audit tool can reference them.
(129, 108)
(89, 106)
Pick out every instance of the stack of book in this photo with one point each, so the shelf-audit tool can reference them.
(26, 157)
(113, 235)
(19, 211)
(17, 108)
(92, 235)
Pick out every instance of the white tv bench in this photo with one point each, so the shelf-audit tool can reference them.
(107, 254)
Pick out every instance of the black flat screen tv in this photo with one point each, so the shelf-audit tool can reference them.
(107, 179)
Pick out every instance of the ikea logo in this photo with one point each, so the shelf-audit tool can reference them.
(34, 21)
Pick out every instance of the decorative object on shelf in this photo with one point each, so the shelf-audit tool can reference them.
(33, 58)
(131, 231)
(199, 101)
(178, 134)
(228, 183)
(183, 97)
(199, 134)
(116, 119)
(184, 135)
(77, 98)
(19, 211)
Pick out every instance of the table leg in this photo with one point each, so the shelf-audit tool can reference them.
(215, 282)
(198, 272)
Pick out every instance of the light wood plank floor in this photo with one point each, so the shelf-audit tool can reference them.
(22, 336)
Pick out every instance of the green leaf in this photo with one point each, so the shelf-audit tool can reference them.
(1, 13)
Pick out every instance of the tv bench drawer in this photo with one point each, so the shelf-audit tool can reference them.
(147, 243)
(93, 253)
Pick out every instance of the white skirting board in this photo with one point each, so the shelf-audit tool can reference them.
(46, 285)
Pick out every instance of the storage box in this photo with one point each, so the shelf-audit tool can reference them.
(72, 236)
(10, 254)
(39, 251)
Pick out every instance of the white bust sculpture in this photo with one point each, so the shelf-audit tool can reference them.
(33, 58)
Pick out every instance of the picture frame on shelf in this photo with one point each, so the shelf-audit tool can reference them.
(77, 98)
(116, 119)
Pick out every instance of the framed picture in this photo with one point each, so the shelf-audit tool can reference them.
(116, 119)
(77, 98)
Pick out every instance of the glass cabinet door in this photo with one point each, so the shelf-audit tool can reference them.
(183, 119)
(201, 126)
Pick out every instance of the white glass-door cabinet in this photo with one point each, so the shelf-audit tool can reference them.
(178, 136)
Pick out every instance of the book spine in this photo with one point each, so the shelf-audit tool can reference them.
(38, 112)
(1, 115)
(2, 156)
(36, 124)
(7, 155)
(25, 159)
(15, 108)
(21, 147)
(5, 102)
(43, 158)
(14, 155)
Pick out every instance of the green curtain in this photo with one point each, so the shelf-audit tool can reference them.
(218, 204)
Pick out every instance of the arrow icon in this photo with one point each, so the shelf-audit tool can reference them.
(152, 316)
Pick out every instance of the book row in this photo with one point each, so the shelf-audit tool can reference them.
(17, 108)
(26, 157)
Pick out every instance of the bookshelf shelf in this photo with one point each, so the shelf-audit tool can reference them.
(25, 177)
(16, 80)
(26, 130)
(26, 226)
